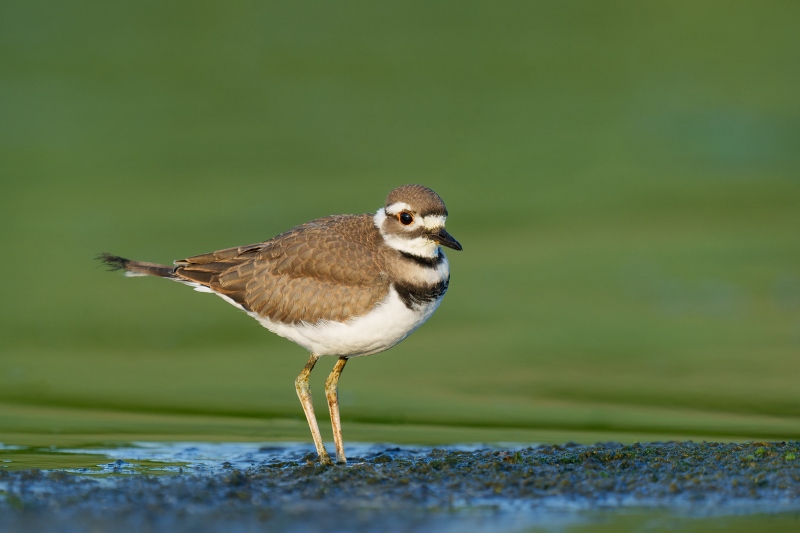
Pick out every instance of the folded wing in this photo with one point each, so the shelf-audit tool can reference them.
(326, 269)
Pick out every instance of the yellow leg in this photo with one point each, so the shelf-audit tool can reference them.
(304, 393)
(332, 392)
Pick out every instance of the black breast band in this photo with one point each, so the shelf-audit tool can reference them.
(415, 295)
(429, 262)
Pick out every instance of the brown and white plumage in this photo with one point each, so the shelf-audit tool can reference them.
(331, 268)
(344, 285)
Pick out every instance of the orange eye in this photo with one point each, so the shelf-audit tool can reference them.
(405, 218)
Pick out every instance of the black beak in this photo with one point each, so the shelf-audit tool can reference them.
(445, 239)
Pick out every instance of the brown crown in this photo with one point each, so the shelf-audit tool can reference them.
(422, 199)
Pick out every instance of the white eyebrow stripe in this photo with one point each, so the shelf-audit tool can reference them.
(397, 207)
(434, 221)
(429, 222)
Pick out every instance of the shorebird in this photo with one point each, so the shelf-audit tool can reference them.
(342, 285)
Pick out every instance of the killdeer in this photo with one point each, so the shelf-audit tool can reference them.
(343, 285)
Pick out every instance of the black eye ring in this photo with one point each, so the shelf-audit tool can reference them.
(405, 218)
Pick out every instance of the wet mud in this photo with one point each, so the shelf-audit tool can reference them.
(282, 488)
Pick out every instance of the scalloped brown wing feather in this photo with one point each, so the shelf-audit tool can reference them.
(331, 268)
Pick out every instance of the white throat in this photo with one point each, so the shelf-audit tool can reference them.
(418, 246)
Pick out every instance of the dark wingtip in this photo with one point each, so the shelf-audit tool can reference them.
(113, 262)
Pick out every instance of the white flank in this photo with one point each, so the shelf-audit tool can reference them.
(387, 324)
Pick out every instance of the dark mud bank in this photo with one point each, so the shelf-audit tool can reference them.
(416, 487)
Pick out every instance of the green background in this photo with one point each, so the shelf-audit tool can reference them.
(624, 177)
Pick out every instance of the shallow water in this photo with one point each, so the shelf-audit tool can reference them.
(247, 486)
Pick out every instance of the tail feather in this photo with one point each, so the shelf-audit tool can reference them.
(136, 268)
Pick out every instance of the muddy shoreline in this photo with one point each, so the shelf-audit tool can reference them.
(404, 488)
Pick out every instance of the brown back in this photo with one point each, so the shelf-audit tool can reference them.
(332, 268)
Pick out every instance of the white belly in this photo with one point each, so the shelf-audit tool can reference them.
(386, 325)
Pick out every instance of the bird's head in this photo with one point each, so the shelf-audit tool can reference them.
(412, 221)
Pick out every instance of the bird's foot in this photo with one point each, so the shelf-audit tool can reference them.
(325, 459)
